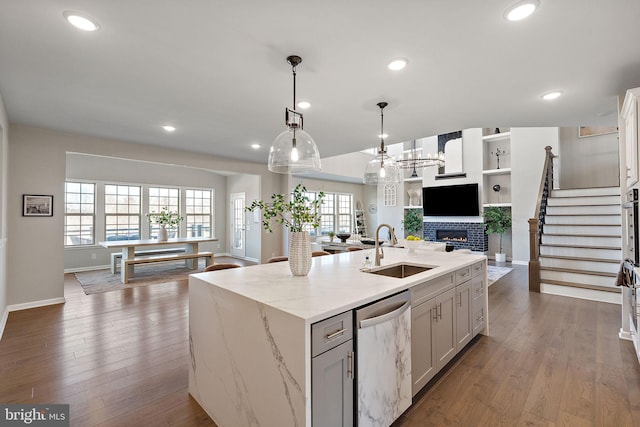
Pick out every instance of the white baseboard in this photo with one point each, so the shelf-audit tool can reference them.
(91, 268)
(515, 261)
(35, 304)
(588, 294)
(625, 335)
(3, 321)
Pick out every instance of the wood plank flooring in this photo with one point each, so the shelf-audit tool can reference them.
(120, 359)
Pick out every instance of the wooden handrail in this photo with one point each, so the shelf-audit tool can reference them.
(536, 223)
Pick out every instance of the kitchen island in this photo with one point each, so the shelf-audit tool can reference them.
(250, 328)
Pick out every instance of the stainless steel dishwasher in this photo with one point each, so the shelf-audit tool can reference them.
(383, 360)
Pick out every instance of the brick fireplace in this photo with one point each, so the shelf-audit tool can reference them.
(463, 235)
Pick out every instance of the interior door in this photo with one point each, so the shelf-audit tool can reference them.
(238, 248)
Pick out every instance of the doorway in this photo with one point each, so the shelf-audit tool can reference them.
(238, 248)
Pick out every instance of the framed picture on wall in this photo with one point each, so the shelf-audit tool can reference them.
(586, 131)
(37, 205)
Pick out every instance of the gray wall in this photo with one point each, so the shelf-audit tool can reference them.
(581, 157)
(109, 169)
(4, 159)
(37, 159)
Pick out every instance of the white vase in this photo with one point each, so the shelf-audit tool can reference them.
(299, 253)
(501, 257)
(162, 233)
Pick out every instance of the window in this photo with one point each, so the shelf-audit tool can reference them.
(198, 213)
(307, 227)
(336, 213)
(79, 213)
(122, 212)
(167, 199)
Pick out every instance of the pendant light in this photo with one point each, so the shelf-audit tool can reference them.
(382, 169)
(294, 150)
(416, 161)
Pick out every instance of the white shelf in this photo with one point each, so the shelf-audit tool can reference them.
(502, 171)
(497, 136)
(496, 205)
(417, 179)
(413, 207)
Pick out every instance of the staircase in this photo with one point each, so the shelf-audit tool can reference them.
(581, 246)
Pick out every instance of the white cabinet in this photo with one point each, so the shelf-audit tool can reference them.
(629, 126)
(463, 315)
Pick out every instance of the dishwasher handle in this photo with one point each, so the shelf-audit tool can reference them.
(372, 321)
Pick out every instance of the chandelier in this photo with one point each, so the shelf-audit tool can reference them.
(416, 161)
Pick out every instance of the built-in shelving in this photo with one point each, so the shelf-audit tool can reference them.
(503, 205)
(415, 179)
(497, 136)
(503, 171)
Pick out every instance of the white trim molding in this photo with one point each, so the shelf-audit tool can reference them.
(35, 304)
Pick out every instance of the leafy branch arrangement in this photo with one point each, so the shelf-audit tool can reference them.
(165, 217)
(294, 214)
(413, 222)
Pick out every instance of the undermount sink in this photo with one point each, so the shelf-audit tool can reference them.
(400, 271)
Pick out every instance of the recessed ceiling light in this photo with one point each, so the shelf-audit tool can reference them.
(521, 10)
(81, 21)
(304, 105)
(550, 96)
(169, 128)
(255, 146)
(397, 64)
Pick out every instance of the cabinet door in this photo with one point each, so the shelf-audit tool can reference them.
(444, 332)
(463, 315)
(423, 366)
(332, 387)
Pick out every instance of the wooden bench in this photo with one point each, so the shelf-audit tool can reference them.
(126, 265)
(117, 256)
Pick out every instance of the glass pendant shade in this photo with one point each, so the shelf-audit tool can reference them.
(294, 151)
(300, 157)
(382, 170)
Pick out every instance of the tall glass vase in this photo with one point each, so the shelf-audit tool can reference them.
(299, 253)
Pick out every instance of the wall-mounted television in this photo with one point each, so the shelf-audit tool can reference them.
(451, 200)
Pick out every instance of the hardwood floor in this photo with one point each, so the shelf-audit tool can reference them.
(120, 359)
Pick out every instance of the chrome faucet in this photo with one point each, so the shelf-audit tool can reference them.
(394, 241)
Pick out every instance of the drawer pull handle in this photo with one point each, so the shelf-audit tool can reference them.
(335, 334)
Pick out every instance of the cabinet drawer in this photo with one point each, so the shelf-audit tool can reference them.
(477, 289)
(427, 290)
(331, 332)
(478, 268)
(463, 275)
(478, 320)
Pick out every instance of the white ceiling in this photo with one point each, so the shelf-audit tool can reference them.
(217, 69)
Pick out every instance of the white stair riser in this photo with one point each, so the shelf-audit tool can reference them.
(588, 294)
(612, 242)
(610, 254)
(574, 201)
(585, 279)
(601, 230)
(578, 192)
(584, 219)
(583, 210)
(602, 267)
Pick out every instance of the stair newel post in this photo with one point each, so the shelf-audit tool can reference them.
(534, 256)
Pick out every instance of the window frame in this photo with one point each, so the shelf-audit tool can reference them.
(80, 214)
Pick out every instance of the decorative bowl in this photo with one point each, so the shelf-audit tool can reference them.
(343, 237)
(411, 244)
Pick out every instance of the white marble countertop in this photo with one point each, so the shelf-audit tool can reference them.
(335, 283)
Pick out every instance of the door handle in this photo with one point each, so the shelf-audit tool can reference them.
(350, 365)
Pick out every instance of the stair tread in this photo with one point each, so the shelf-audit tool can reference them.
(572, 270)
(584, 214)
(580, 285)
(556, 245)
(574, 258)
(581, 235)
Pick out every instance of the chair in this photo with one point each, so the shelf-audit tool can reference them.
(319, 253)
(277, 259)
(221, 266)
(353, 248)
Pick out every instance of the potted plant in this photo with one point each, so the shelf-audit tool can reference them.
(331, 234)
(164, 219)
(293, 215)
(497, 221)
(413, 223)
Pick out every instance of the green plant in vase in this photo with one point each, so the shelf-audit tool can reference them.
(413, 223)
(497, 221)
(165, 218)
(293, 215)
